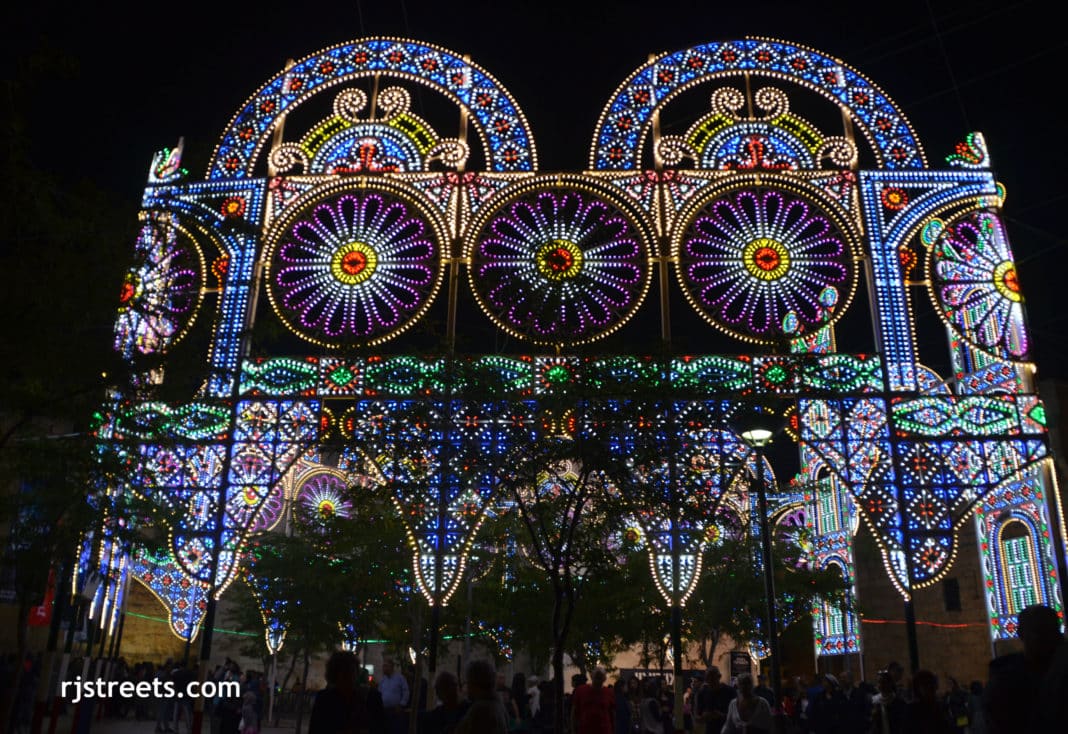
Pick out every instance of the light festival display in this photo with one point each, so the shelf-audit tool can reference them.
(353, 229)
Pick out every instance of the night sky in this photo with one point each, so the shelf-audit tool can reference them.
(132, 83)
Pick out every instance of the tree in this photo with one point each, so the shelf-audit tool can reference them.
(561, 490)
(731, 571)
(335, 577)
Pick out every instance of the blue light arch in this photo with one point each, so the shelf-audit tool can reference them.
(622, 126)
(501, 125)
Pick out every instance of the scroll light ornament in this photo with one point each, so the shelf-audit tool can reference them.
(394, 141)
(778, 140)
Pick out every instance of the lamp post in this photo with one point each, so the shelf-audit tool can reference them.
(757, 435)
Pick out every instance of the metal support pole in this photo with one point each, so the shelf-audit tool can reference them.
(432, 658)
(676, 653)
(467, 623)
(771, 622)
(910, 607)
(910, 629)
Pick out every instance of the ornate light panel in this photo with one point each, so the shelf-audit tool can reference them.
(365, 222)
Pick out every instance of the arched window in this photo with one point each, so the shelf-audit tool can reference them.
(827, 504)
(833, 614)
(1019, 569)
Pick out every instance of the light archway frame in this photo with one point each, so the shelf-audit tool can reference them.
(626, 119)
(501, 125)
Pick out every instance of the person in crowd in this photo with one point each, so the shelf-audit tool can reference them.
(522, 700)
(485, 714)
(634, 702)
(1011, 698)
(533, 696)
(713, 700)
(652, 720)
(229, 709)
(976, 715)
(897, 673)
(1053, 694)
(577, 680)
(763, 691)
(956, 706)
(888, 708)
(341, 707)
(182, 676)
(593, 706)
(925, 713)
(250, 718)
(395, 696)
(826, 707)
(511, 708)
(623, 719)
(856, 711)
(450, 709)
(164, 705)
(543, 718)
(747, 713)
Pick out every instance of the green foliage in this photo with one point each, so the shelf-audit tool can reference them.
(730, 599)
(330, 579)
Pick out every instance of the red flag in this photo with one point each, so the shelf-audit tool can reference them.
(42, 616)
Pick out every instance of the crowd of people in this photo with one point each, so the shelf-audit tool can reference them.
(1025, 691)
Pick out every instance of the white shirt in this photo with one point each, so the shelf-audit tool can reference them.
(534, 700)
(761, 717)
(394, 690)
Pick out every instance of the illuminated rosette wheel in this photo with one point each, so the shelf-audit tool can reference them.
(323, 496)
(974, 283)
(560, 266)
(161, 293)
(354, 267)
(766, 264)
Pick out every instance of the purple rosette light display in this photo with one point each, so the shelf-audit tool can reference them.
(975, 283)
(764, 265)
(559, 267)
(354, 269)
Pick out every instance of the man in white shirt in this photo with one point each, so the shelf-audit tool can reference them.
(394, 689)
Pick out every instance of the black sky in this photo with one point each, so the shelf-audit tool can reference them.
(142, 77)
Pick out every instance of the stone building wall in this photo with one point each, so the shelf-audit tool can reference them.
(951, 642)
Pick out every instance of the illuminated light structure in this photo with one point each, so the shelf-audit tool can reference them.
(361, 226)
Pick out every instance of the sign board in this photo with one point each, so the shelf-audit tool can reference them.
(741, 664)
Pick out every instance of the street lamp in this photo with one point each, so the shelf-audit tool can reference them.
(758, 429)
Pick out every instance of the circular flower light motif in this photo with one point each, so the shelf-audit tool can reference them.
(354, 269)
(559, 267)
(161, 292)
(975, 286)
(266, 503)
(765, 264)
(322, 496)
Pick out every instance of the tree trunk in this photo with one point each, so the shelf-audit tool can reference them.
(558, 689)
(289, 673)
(558, 667)
(303, 689)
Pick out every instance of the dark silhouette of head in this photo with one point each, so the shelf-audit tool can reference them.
(447, 689)
(925, 685)
(1039, 628)
(341, 670)
(481, 678)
